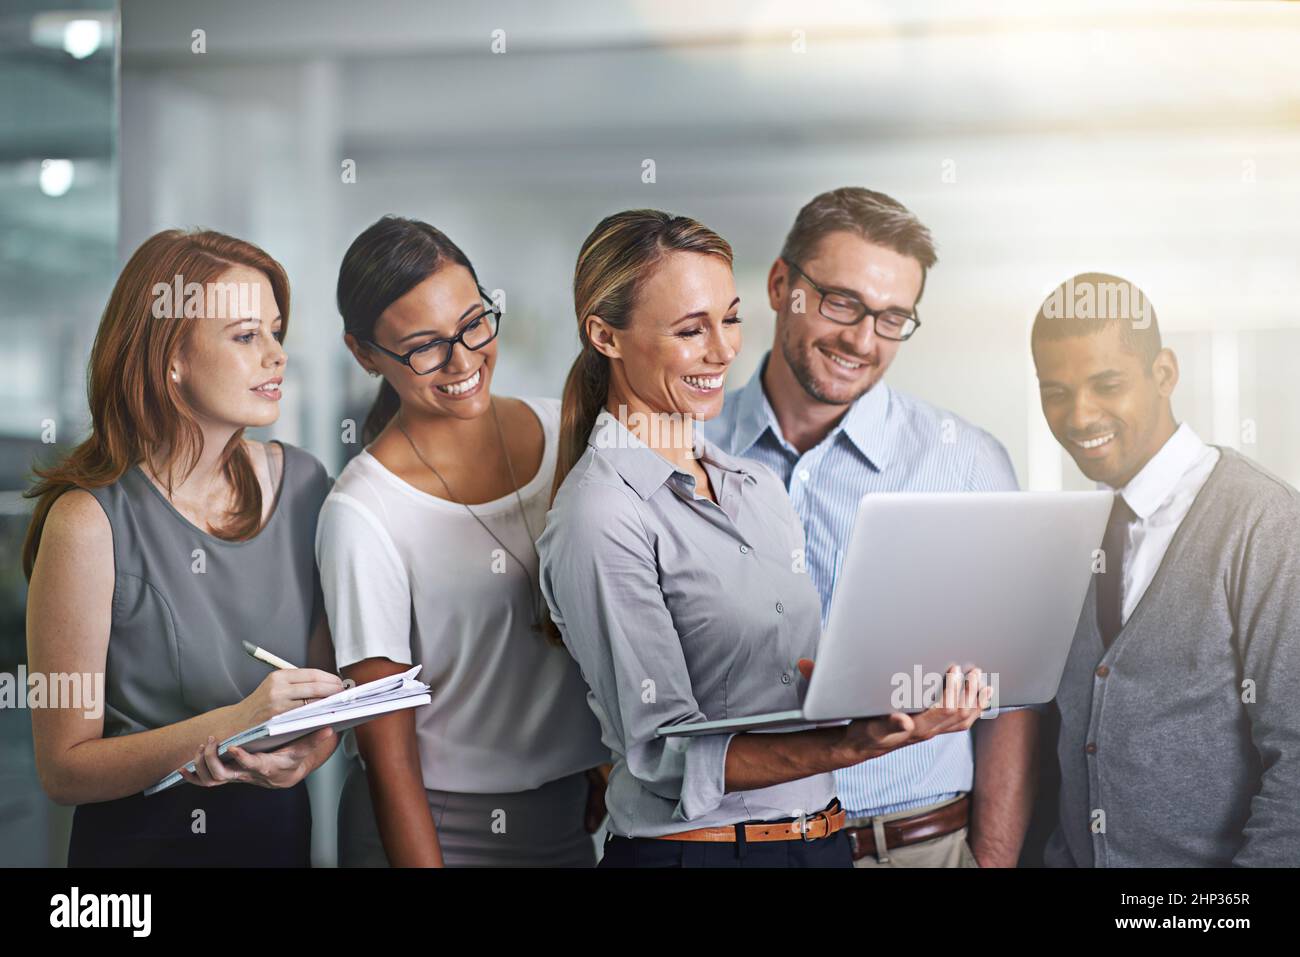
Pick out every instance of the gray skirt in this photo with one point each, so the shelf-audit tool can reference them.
(538, 828)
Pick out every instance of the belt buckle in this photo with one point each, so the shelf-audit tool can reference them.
(804, 828)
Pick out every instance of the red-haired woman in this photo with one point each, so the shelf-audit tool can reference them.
(161, 543)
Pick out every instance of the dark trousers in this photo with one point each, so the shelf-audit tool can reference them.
(830, 851)
(234, 825)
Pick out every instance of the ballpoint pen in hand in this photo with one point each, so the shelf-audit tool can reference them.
(261, 654)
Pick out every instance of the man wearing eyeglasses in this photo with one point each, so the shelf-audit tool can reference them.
(845, 290)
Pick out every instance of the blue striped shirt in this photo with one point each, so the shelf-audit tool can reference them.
(887, 442)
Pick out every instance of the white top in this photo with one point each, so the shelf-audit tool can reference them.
(414, 578)
(1160, 495)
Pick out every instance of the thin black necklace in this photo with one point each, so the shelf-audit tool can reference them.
(534, 589)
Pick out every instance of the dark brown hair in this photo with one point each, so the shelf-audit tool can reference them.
(389, 259)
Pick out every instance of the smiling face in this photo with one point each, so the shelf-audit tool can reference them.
(1105, 408)
(441, 306)
(834, 363)
(230, 370)
(683, 334)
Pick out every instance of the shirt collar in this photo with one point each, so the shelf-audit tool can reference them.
(866, 422)
(754, 414)
(644, 469)
(1156, 482)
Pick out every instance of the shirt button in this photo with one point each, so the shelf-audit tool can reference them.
(744, 549)
(785, 679)
(780, 608)
(1090, 748)
(1103, 671)
(804, 475)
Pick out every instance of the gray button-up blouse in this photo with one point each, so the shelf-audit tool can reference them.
(678, 609)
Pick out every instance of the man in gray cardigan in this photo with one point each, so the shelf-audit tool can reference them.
(1180, 726)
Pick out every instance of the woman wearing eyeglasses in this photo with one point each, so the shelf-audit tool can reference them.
(672, 571)
(426, 547)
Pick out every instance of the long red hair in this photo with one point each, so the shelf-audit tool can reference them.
(135, 407)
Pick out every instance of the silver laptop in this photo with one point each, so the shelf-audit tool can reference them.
(988, 579)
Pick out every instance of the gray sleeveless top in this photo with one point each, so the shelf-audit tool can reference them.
(185, 600)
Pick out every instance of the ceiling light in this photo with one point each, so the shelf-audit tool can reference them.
(56, 176)
(81, 38)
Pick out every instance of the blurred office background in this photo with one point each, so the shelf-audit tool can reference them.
(58, 259)
(1157, 140)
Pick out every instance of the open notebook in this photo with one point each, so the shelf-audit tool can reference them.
(347, 709)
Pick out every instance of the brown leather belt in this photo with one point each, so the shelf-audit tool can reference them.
(809, 827)
(911, 830)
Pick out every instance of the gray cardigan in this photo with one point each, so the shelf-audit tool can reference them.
(1180, 744)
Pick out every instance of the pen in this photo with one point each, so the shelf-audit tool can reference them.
(261, 654)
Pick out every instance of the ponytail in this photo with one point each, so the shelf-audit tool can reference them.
(385, 406)
(585, 391)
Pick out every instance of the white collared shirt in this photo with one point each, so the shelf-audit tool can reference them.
(1160, 495)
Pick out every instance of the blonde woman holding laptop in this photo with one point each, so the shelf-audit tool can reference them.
(670, 569)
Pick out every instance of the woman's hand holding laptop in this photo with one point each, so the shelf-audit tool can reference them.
(960, 706)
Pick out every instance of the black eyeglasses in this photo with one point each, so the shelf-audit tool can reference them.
(436, 353)
(848, 310)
